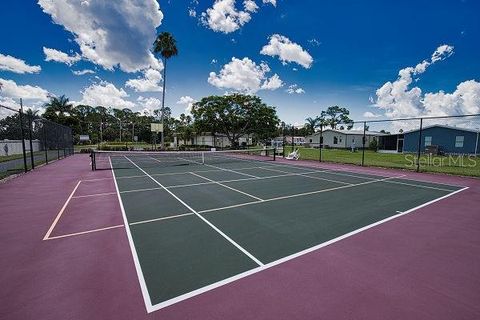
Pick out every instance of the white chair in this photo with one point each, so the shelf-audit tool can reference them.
(295, 155)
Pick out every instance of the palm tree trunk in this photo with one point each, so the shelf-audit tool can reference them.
(162, 143)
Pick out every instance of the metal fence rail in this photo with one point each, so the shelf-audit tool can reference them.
(446, 144)
(28, 140)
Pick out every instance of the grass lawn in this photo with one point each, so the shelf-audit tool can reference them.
(18, 156)
(458, 165)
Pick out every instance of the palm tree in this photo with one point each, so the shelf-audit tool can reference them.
(166, 45)
(311, 124)
(60, 105)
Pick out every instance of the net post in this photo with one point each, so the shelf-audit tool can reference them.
(92, 157)
(419, 144)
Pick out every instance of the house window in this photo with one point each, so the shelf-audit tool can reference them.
(311, 141)
(321, 139)
(428, 141)
(335, 140)
(340, 140)
(459, 141)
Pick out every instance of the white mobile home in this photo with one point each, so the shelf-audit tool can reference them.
(343, 139)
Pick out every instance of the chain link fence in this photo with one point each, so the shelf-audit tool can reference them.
(446, 144)
(28, 140)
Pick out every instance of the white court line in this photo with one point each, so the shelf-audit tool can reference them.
(198, 183)
(298, 194)
(225, 186)
(222, 169)
(248, 254)
(358, 175)
(290, 257)
(162, 218)
(363, 172)
(54, 223)
(95, 195)
(235, 180)
(259, 200)
(141, 190)
(84, 232)
(96, 179)
(138, 268)
(311, 177)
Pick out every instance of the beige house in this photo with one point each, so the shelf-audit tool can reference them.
(343, 139)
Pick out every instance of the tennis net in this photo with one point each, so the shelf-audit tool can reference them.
(102, 160)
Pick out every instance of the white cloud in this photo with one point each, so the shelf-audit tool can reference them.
(12, 64)
(272, 2)
(464, 100)
(83, 72)
(224, 17)
(107, 95)
(244, 76)
(442, 52)
(272, 83)
(59, 56)
(250, 6)
(294, 89)
(287, 51)
(314, 42)
(14, 104)
(110, 33)
(10, 103)
(214, 61)
(149, 83)
(188, 102)
(149, 105)
(397, 99)
(192, 13)
(369, 114)
(10, 89)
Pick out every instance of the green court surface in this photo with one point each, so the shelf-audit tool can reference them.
(195, 227)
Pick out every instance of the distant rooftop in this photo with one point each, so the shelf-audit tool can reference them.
(355, 132)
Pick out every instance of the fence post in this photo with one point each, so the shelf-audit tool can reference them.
(293, 138)
(22, 133)
(45, 143)
(419, 144)
(320, 143)
(363, 142)
(32, 158)
(284, 140)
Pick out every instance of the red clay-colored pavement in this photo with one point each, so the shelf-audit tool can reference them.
(424, 265)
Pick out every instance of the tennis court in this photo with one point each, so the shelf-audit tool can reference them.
(199, 220)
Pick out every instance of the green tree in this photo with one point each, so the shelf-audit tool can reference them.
(166, 45)
(335, 115)
(311, 124)
(184, 128)
(235, 115)
(60, 110)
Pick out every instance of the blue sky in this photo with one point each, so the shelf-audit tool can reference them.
(346, 53)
